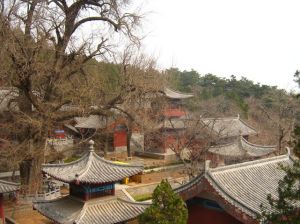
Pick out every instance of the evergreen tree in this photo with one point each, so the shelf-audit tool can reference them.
(167, 207)
(284, 209)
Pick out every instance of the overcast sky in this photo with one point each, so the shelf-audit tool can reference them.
(258, 39)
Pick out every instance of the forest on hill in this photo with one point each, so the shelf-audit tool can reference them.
(272, 111)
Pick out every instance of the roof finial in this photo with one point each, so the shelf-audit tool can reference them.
(207, 165)
(288, 151)
(91, 143)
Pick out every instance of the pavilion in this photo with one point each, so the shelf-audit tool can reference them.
(92, 197)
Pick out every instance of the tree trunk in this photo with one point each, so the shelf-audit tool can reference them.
(129, 135)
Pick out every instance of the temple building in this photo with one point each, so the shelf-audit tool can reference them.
(171, 126)
(237, 151)
(92, 197)
(6, 187)
(233, 194)
(229, 128)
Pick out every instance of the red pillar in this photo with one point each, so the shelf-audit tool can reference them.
(2, 217)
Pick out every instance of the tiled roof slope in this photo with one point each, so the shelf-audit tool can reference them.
(172, 94)
(93, 121)
(241, 147)
(91, 168)
(109, 210)
(246, 185)
(6, 187)
(229, 127)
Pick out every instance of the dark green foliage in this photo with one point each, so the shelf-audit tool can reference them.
(209, 86)
(285, 208)
(167, 207)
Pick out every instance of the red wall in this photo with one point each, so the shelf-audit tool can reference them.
(120, 138)
(200, 215)
(174, 112)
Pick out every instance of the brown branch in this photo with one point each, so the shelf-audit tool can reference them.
(96, 18)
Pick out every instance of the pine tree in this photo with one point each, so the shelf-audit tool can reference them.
(167, 207)
(285, 209)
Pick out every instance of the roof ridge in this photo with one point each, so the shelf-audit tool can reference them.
(88, 165)
(248, 163)
(9, 182)
(249, 126)
(134, 202)
(176, 91)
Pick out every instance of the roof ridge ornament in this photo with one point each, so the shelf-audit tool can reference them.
(288, 151)
(91, 143)
(207, 165)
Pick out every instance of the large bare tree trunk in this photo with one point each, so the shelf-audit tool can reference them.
(129, 135)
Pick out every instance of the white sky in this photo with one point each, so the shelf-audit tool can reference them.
(258, 39)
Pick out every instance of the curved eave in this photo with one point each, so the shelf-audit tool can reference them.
(244, 149)
(89, 169)
(259, 146)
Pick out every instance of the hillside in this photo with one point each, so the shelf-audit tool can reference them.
(267, 108)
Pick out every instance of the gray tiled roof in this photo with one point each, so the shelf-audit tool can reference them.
(246, 185)
(6, 187)
(229, 127)
(92, 121)
(241, 147)
(108, 210)
(176, 95)
(91, 168)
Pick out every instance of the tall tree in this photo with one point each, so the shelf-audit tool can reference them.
(46, 53)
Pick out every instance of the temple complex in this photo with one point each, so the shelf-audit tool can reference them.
(5, 187)
(92, 197)
(238, 150)
(233, 194)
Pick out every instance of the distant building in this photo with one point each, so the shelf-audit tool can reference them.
(229, 128)
(162, 141)
(6, 187)
(238, 150)
(92, 196)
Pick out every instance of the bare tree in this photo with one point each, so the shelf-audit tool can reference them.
(282, 116)
(46, 59)
(192, 142)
